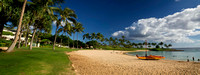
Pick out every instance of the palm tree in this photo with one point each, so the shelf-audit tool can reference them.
(18, 29)
(111, 39)
(43, 23)
(93, 36)
(169, 45)
(58, 23)
(25, 26)
(99, 37)
(122, 40)
(74, 32)
(161, 44)
(79, 28)
(86, 37)
(141, 45)
(107, 40)
(67, 30)
(19, 41)
(166, 46)
(66, 14)
(154, 44)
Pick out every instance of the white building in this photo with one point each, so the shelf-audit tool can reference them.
(10, 37)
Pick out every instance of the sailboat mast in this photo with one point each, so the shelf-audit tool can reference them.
(146, 47)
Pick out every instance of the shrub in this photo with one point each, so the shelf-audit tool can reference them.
(2, 44)
(5, 43)
(7, 33)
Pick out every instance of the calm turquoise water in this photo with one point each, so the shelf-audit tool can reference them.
(188, 53)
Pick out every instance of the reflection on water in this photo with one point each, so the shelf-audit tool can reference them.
(188, 53)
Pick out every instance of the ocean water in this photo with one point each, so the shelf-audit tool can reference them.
(188, 53)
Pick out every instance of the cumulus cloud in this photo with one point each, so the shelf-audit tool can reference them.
(62, 22)
(177, 27)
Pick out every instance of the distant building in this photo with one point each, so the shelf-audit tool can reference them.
(11, 37)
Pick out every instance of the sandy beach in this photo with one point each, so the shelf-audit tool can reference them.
(108, 62)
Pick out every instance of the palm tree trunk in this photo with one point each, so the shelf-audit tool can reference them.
(54, 43)
(11, 48)
(1, 30)
(26, 39)
(73, 39)
(77, 41)
(93, 45)
(30, 47)
(19, 41)
(68, 40)
(36, 40)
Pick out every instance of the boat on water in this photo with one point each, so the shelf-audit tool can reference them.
(150, 57)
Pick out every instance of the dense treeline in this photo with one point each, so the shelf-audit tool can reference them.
(98, 40)
(35, 16)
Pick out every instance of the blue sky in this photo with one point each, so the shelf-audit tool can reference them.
(112, 16)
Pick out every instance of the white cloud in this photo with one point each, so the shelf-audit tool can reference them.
(176, 27)
(54, 22)
(62, 22)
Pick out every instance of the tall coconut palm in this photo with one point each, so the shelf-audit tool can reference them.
(58, 23)
(74, 33)
(107, 40)
(20, 35)
(79, 28)
(66, 29)
(66, 14)
(161, 44)
(86, 37)
(111, 39)
(153, 44)
(93, 36)
(25, 26)
(99, 37)
(169, 45)
(43, 24)
(18, 29)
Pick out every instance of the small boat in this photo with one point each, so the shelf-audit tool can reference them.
(150, 57)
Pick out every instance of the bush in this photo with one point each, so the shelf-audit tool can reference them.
(164, 49)
(7, 33)
(5, 43)
(2, 44)
(46, 45)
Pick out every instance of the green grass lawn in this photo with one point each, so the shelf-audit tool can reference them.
(39, 61)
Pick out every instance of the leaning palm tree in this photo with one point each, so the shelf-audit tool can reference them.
(44, 23)
(25, 26)
(18, 29)
(58, 23)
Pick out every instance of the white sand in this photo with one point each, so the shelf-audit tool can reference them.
(108, 62)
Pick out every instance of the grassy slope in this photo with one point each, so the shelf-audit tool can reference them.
(39, 61)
